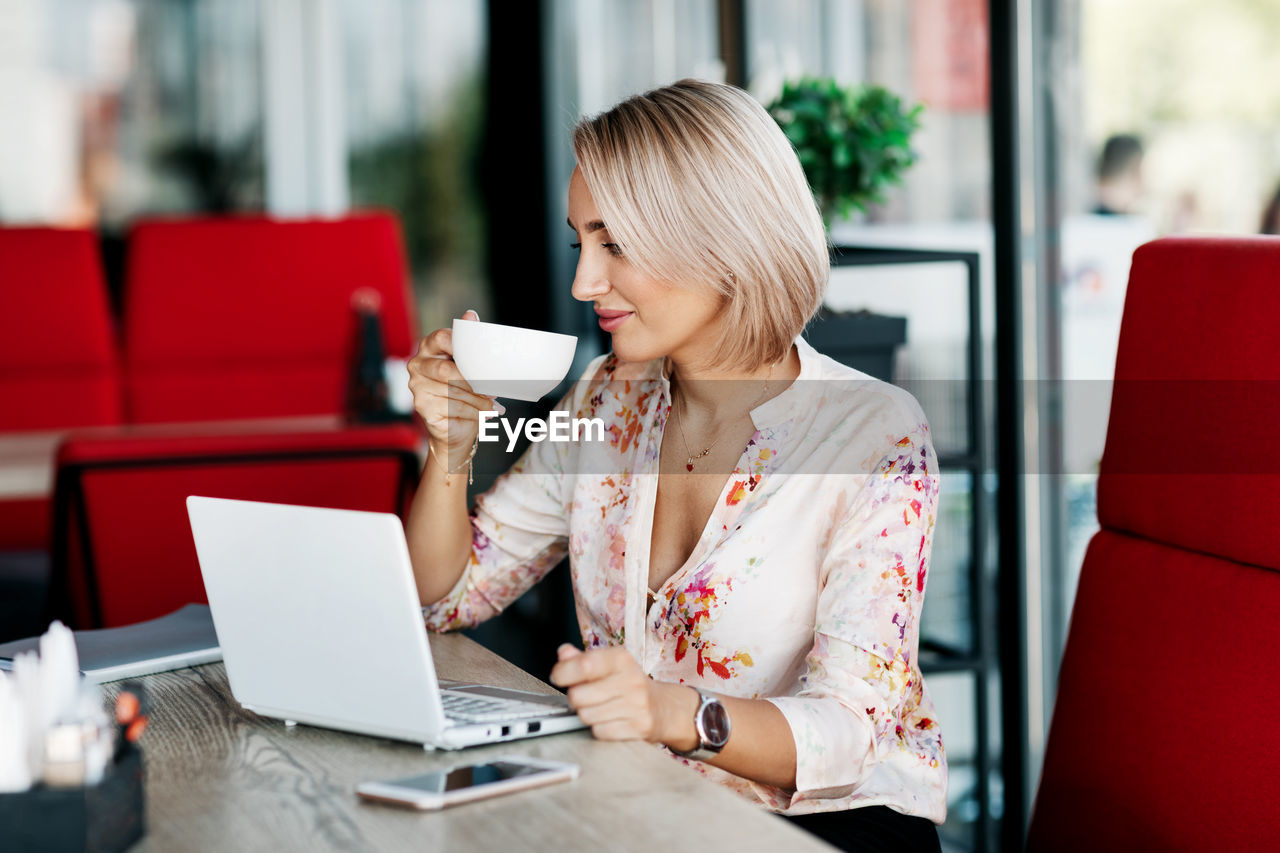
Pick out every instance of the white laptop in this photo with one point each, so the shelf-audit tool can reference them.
(318, 618)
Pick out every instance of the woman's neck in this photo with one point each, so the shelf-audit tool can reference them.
(711, 393)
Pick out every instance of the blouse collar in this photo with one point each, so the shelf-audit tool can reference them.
(793, 401)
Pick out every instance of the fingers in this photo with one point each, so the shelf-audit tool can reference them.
(457, 399)
(444, 400)
(597, 676)
(445, 373)
(439, 342)
(589, 666)
(439, 367)
(626, 717)
(594, 693)
(608, 690)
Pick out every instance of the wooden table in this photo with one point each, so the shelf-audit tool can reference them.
(26, 464)
(222, 778)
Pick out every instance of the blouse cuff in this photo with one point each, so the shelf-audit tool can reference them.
(835, 750)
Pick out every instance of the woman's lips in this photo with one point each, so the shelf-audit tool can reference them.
(611, 321)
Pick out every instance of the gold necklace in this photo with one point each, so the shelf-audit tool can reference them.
(688, 465)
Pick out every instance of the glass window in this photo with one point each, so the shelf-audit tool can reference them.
(1160, 124)
(414, 94)
(114, 108)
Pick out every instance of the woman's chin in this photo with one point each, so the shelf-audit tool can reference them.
(629, 350)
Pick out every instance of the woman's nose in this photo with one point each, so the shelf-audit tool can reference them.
(589, 282)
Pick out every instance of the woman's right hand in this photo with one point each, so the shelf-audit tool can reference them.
(444, 400)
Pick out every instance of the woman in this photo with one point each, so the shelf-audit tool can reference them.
(757, 524)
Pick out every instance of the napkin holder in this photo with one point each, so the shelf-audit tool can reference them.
(102, 818)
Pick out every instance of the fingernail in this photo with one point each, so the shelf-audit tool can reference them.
(501, 409)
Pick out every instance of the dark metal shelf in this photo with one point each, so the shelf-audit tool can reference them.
(965, 461)
(942, 665)
(942, 657)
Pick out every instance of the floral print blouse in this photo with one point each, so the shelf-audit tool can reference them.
(804, 589)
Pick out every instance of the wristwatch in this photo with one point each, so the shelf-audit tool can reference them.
(711, 722)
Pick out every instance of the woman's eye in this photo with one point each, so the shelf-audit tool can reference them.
(614, 249)
(575, 245)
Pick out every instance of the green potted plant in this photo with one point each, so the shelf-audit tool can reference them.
(853, 141)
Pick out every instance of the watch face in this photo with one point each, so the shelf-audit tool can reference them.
(715, 722)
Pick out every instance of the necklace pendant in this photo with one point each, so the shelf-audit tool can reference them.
(689, 465)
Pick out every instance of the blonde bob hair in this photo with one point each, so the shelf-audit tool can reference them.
(700, 188)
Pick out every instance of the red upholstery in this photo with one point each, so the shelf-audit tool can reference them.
(25, 524)
(58, 362)
(125, 548)
(1198, 393)
(1160, 736)
(57, 346)
(252, 317)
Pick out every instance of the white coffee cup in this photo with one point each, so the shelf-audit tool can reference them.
(510, 362)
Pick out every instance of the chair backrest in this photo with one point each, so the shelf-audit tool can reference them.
(59, 365)
(123, 546)
(252, 317)
(1161, 735)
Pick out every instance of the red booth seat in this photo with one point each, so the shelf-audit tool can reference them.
(1161, 735)
(58, 362)
(124, 550)
(252, 317)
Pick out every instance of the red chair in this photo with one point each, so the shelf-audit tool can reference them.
(124, 551)
(1162, 735)
(59, 366)
(251, 317)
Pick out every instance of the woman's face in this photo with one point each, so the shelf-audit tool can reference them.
(647, 318)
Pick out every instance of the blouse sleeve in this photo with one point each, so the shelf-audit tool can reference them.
(519, 532)
(861, 685)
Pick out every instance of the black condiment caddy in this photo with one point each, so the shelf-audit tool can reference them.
(102, 818)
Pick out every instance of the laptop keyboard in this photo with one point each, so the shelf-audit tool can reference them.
(469, 708)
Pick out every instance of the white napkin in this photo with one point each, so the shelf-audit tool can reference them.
(27, 689)
(41, 691)
(59, 675)
(396, 373)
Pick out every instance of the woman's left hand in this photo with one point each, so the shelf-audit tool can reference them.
(616, 699)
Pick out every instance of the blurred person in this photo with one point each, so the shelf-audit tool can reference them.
(1271, 215)
(717, 593)
(1119, 172)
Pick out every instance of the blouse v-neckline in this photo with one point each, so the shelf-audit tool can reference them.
(724, 513)
(638, 607)
(694, 557)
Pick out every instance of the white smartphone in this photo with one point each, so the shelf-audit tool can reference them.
(468, 782)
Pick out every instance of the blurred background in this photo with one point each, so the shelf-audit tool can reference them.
(1129, 119)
